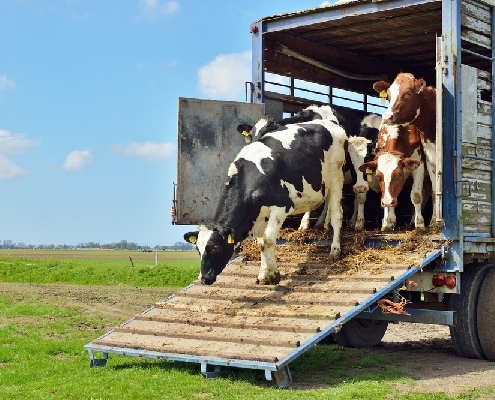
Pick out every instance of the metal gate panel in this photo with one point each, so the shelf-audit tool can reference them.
(208, 142)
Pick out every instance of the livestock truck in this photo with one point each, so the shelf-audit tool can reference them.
(332, 55)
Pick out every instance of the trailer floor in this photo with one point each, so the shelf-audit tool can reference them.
(236, 322)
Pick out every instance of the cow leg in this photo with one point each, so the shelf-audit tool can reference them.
(269, 273)
(431, 172)
(357, 220)
(389, 219)
(417, 196)
(322, 218)
(334, 214)
(305, 221)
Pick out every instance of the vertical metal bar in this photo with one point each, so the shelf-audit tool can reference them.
(257, 62)
(451, 204)
(437, 197)
(456, 25)
(493, 116)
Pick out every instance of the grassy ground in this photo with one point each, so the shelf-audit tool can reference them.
(50, 307)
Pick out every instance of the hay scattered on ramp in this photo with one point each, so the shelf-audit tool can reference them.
(313, 247)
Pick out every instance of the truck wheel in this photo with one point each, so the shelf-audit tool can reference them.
(486, 314)
(360, 332)
(465, 333)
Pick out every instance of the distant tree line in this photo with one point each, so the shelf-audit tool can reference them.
(122, 245)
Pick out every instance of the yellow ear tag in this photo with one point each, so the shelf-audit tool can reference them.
(230, 239)
(193, 239)
(383, 96)
(369, 178)
(245, 133)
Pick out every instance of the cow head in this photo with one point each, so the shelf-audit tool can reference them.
(262, 127)
(391, 172)
(215, 247)
(403, 96)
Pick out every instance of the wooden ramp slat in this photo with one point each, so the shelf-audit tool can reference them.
(278, 297)
(218, 334)
(307, 284)
(220, 319)
(197, 347)
(229, 307)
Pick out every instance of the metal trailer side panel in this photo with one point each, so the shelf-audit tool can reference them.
(207, 143)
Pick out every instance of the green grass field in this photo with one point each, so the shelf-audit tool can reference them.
(53, 303)
(99, 267)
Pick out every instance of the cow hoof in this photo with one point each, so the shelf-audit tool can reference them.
(335, 251)
(359, 225)
(272, 280)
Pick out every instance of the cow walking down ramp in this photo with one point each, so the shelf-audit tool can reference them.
(237, 323)
(291, 170)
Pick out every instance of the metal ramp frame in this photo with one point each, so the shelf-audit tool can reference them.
(260, 333)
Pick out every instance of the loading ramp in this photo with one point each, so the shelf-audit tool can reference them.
(237, 323)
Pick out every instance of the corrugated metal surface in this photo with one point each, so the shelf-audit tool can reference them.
(238, 323)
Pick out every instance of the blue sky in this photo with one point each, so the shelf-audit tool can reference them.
(88, 109)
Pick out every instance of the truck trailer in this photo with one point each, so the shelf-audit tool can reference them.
(333, 55)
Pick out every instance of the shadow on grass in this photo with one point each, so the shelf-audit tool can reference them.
(323, 366)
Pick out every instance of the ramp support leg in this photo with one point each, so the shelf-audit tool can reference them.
(283, 377)
(212, 374)
(97, 362)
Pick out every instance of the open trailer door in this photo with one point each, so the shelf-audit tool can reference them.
(208, 142)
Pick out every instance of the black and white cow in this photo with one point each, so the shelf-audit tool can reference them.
(361, 128)
(291, 170)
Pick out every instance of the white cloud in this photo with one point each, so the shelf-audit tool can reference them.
(325, 4)
(77, 159)
(226, 75)
(15, 142)
(156, 9)
(8, 170)
(146, 150)
(6, 83)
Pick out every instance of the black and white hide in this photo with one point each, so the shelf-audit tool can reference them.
(291, 170)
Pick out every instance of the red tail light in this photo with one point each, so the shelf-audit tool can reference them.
(438, 280)
(450, 281)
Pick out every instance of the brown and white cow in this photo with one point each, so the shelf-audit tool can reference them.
(399, 156)
(412, 102)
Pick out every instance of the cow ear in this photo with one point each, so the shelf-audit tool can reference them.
(370, 165)
(380, 87)
(420, 85)
(244, 129)
(191, 237)
(411, 163)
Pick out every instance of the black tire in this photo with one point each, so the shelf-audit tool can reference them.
(360, 332)
(465, 333)
(486, 315)
(327, 340)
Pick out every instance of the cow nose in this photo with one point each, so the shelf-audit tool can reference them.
(207, 280)
(388, 203)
